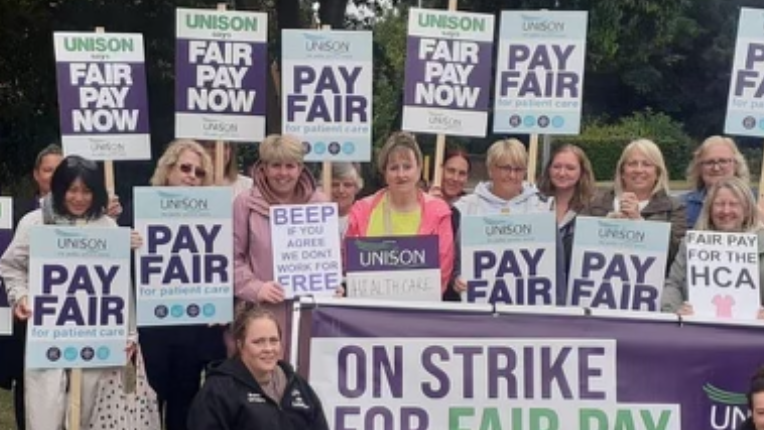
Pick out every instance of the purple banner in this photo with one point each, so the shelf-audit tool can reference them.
(449, 74)
(394, 253)
(420, 369)
(220, 77)
(6, 323)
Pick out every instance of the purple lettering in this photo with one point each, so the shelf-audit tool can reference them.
(444, 384)
(586, 372)
(157, 235)
(552, 371)
(358, 356)
(468, 354)
(505, 371)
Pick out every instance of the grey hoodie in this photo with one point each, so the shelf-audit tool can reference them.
(484, 202)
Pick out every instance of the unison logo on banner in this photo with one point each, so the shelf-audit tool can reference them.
(728, 409)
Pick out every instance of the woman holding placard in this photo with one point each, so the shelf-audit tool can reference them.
(715, 159)
(176, 355)
(730, 208)
(256, 389)
(506, 192)
(402, 208)
(569, 178)
(78, 197)
(641, 192)
(280, 178)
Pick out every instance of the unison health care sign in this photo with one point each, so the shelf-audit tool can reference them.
(220, 69)
(448, 72)
(102, 95)
(79, 288)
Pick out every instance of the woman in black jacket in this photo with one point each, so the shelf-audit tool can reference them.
(255, 390)
(755, 402)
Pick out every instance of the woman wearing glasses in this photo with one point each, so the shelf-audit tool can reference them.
(641, 192)
(717, 158)
(175, 356)
(506, 193)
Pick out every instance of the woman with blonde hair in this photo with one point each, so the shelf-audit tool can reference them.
(716, 158)
(729, 208)
(280, 178)
(641, 192)
(175, 356)
(346, 183)
(507, 192)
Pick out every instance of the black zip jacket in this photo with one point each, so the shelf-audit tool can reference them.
(231, 399)
(747, 425)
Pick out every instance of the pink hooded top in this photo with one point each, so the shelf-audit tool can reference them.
(436, 219)
(252, 251)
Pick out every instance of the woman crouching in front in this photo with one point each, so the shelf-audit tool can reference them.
(255, 389)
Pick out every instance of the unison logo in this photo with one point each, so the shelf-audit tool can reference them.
(175, 201)
(608, 230)
(323, 44)
(538, 24)
(443, 121)
(495, 227)
(388, 253)
(728, 409)
(72, 240)
(210, 124)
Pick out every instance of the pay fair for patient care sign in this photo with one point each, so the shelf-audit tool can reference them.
(184, 268)
(102, 98)
(79, 289)
(220, 75)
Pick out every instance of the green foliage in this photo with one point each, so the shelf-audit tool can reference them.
(603, 142)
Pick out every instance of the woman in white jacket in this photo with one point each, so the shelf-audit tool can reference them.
(78, 197)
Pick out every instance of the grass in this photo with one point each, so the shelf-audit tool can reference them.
(6, 411)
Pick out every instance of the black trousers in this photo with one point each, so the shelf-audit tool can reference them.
(12, 369)
(175, 358)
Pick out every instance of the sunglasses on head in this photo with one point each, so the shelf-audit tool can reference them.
(197, 171)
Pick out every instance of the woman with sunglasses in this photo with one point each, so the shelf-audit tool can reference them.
(715, 159)
(175, 356)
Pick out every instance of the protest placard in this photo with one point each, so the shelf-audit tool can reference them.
(6, 235)
(221, 71)
(79, 292)
(618, 264)
(540, 72)
(723, 274)
(448, 72)
(394, 268)
(510, 259)
(745, 101)
(306, 248)
(102, 95)
(184, 270)
(327, 92)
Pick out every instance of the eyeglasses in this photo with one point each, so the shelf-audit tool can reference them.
(720, 162)
(197, 171)
(508, 168)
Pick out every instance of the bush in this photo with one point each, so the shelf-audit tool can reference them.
(603, 142)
